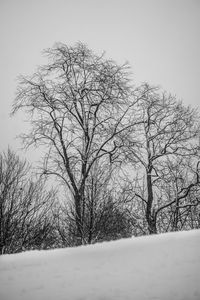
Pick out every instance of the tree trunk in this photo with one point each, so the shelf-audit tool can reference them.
(78, 219)
(150, 215)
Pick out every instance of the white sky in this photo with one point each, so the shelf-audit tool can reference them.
(159, 38)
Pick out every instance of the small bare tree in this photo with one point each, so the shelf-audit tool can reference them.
(77, 105)
(25, 207)
(104, 215)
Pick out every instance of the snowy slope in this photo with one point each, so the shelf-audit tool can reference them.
(159, 267)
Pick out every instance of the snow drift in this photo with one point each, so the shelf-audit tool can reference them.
(160, 267)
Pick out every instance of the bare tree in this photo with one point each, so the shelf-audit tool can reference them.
(106, 217)
(25, 218)
(78, 104)
(168, 131)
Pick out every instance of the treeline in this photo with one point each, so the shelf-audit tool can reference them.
(126, 158)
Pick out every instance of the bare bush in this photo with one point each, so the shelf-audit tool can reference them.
(25, 207)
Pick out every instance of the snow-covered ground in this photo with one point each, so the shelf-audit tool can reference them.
(158, 267)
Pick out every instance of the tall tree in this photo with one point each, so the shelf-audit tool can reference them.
(78, 104)
(167, 131)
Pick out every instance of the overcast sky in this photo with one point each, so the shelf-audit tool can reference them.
(159, 38)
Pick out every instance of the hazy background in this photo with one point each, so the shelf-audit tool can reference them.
(159, 38)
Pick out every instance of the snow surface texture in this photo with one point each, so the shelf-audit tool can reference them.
(160, 267)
